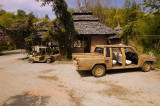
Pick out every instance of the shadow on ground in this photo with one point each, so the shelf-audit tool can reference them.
(87, 73)
(27, 99)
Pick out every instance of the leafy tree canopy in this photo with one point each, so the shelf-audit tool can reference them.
(153, 4)
(63, 25)
(21, 13)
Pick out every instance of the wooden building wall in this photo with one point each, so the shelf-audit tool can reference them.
(97, 40)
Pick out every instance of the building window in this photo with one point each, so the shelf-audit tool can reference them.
(99, 50)
(78, 43)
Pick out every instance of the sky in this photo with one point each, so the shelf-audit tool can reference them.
(35, 7)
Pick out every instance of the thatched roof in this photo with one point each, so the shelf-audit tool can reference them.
(118, 29)
(82, 10)
(84, 18)
(118, 32)
(85, 23)
(92, 27)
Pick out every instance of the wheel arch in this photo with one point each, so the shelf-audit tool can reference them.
(152, 62)
(100, 64)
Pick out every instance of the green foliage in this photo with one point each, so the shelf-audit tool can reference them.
(47, 17)
(16, 27)
(28, 44)
(7, 19)
(130, 31)
(29, 22)
(71, 10)
(2, 12)
(21, 14)
(54, 51)
(67, 59)
(153, 4)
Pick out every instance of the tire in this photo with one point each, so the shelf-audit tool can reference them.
(31, 61)
(48, 61)
(146, 67)
(98, 71)
(53, 59)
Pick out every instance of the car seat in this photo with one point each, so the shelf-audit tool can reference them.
(120, 59)
(114, 58)
(114, 62)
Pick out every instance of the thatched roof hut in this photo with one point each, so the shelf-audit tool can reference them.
(91, 31)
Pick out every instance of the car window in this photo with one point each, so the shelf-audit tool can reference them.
(99, 50)
(107, 52)
(128, 50)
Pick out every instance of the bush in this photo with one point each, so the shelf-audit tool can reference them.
(10, 48)
(54, 51)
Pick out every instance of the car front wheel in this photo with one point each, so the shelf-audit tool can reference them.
(98, 71)
(31, 61)
(146, 66)
(48, 61)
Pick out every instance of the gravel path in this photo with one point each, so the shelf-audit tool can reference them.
(59, 84)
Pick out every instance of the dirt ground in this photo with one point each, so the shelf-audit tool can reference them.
(59, 84)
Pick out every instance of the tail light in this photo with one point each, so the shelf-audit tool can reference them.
(77, 62)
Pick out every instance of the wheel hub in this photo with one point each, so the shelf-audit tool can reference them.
(99, 71)
(147, 66)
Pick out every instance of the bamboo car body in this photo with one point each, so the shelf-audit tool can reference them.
(87, 61)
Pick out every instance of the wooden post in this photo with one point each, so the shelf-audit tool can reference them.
(83, 42)
(123, 58)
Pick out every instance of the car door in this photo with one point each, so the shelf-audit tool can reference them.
(118, 58)
(131, 58)
(108, 57)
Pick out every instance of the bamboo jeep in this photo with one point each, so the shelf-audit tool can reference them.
(41, 54)
(106, 57)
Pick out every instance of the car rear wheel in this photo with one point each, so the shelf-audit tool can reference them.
(48, 61)
(53, 59)
(146, 66)
(31, 61)
(98, 71)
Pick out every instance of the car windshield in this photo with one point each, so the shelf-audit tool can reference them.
(99, 50)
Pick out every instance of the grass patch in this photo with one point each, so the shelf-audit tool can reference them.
(67, 59)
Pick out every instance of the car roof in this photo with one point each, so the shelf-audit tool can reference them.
(124, 46)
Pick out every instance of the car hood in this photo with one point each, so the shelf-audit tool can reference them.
(148, 57)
